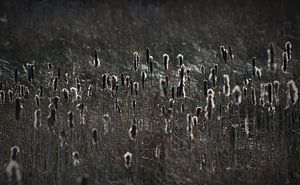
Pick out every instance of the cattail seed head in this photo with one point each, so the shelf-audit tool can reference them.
(37, 100)
(51, 118)
(292, 92)
(55, 101)
(144, 76)
(210, 105)
(127, 159)
(18, 108)
(288, 48)
(41, 94)
(96, 59)
(163, 88)
(70, 119)
(237, 95)
(224, 53)
(258, 73)
(2, 96)
(147, 55)
(226, 86)
(136, 60)
(182, 72)
(54, 83)
(132, 132)
(276, 86)
(271, 58)
(166, 61)
(202, 69)
(285, 62)
(205, 87)
(90, 90)
(254, 66)
(245, 92)
(151, 64)
(173, 92)
(37, 118)
(16, 75)
(66, 94)
(94, 135)
(136, 87)
(270, 93)
(180, 59)
(199, 111)
(10, 95)
(195, 121)
(104, 81)
(15, 150)
(75, 157)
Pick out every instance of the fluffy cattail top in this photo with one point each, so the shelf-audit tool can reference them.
(128, 159)
(292, 92)
(237, 95)
(166, 62)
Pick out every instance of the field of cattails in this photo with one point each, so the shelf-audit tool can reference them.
(215, 112)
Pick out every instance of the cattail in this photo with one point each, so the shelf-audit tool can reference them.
(276, 86)
(231, 56)
(132, 132)
(90, 90)
(271, 110)
(37, 100)
(67, 78)
(26, 93)
(136, 87)
(163, 110)
(226, 86)
(10, 96)
(114, 83)
(37, 118)
(171, 102)
(245, 91)
(292, 92)
(74, 93)
(285, 62)
(271, 58)
(182, 108)
(70, 119)
(180, 59)
(127, 159)
(253, 96)
(41, 94)
(2, 96)
(66, 94)
(75, 157)
(104, 81)
(270, 93)
(127, 81)
(258, 73)
(143, 76)
(54, 83)
(262, 94)
(182, 72)
(15, 150)
(163, 88)
(173, 92)
(131, 86)
(247, 129)
(195, 121)
(166, 62)
(50, 66)
(106, 123)
(157, 151)
(237, 95)
(16, 75)
(288, 48)
(59, 72)
(18, 107)
(151, 64)
(63, 138)
(202, 69)
(254, 67)
(96, 59)
(133, 104)
(181, 89)
(224, 54)
(210, 105)
(55, 101)
(147, 55)
(167, 81)
(199, 111)
(80, 107)
(51, 118)
(136, 60)
(94, 135)
(30, 72)
(246, 80)
(205, 87)
(189, 127)
(216, 67)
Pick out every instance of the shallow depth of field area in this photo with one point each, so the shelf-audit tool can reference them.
(149, 92)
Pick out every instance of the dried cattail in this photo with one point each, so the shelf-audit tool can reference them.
(147, 55)
(171, 102)
(80, 107)
(157, 151)
(16, 75)
(37, 118)
(136, 60)
(181, 89)
(163, 88)
(37, 100)
(136, 87)
(247, 128)
(127, 81)
(253, 96)
(210, 105)
(26, 93)
(66, 94)
(166, 62)
(292, 92)
(10, 96)
(205, 87)
(182, 108)
(114, 82)
(195, 121)
(180, 59)
(270, 93)
(246, 80)
(199, 111)
(75, 157)
(15, 150)
(271, 110)
(94, 135)
(133, 104)
(276, 86)
(59, 72)
(288, 48)
(74, 93)
(211, 92)
(104, 81)
(96, 59)
(212, 77)
(271, 58)
(262, 94)
(90, 90)
(2, 96)
(70, 119)
(54, 83)
(202, 69)
(224, 54)
(254, 67)
(106, 123)
(18, 107)
(285, 62)
(151, 65)
(258, 73)
(167, 81)
(237, 95)
(173, 92)
(182, 72)
(50, 66)
(127, 159)
(13, 171)
(63, 139)
(67, 78)
(30, 72)
(132, 132)
(55, 101)
(226, 86)
(51, 118)
(41, 94)
(231, 56)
